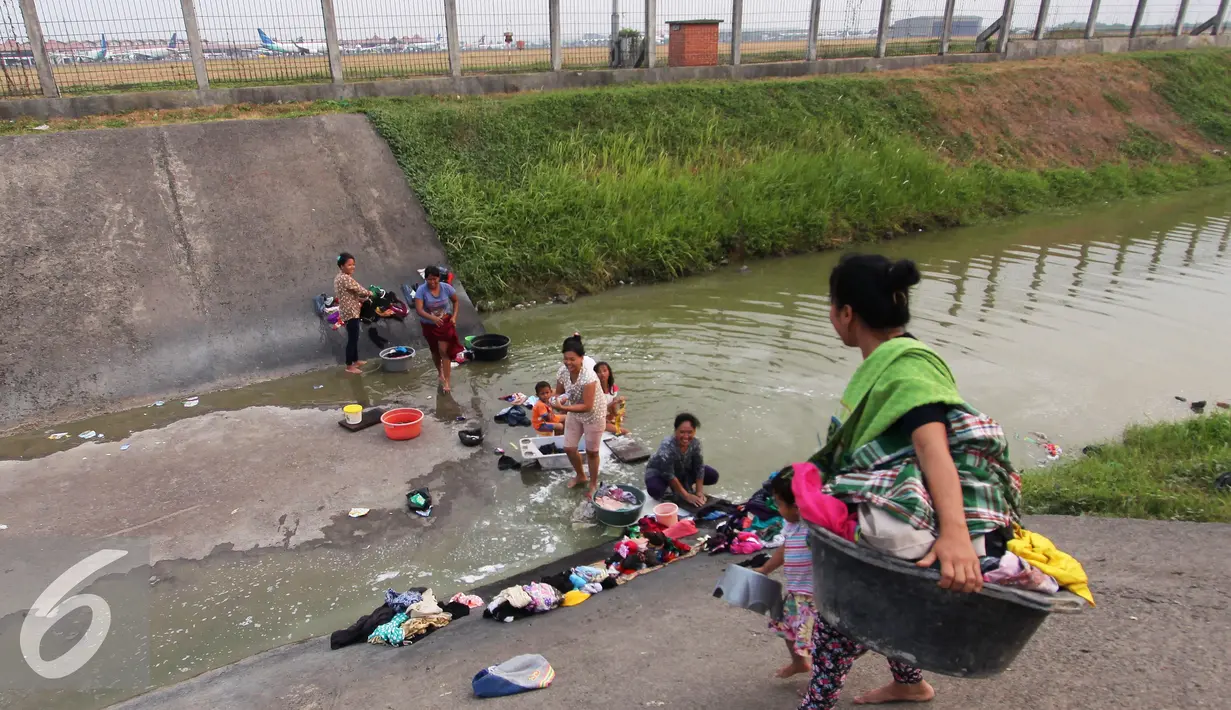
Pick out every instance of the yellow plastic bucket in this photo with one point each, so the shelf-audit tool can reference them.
(354, 413)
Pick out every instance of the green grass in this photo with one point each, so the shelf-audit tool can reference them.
(1117, 102)
(1197, 84)
(1142, 144)
(1160, 471)
(572, 191)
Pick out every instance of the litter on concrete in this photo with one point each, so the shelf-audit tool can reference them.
(358, 512)
(58, 435)
(419, 502)
(317, 387)
(87, 434)
(125, 447)
(4, 527)
(159, 403)
(192, 401)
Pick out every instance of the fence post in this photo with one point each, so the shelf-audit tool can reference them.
(1041, 25)
(737, 29)
(1006, 27)
(455, 47)
(1179, 18)
(814, 21)
(195, 50)
(1221, 18)
(615, 24)
(946, 30)
(34, 30)
(882, 30)
(1092, 19)
(651, 32)
(331, 41)
(553, 17)
(1141, 11)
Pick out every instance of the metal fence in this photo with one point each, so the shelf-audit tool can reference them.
(392, 39)
(66, 47)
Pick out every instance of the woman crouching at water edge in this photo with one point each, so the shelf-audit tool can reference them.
(677, 469)
(350, 297)
(919, 466)
(579, 395)
(436, 304)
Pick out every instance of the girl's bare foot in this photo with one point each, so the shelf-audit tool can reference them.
(898, 693)
(354, 370)
(593, 490)
(795, 667)
(360, 363)
(576, 481)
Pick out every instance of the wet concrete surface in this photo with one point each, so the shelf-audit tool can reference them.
(257, 478)
(1158, 639)
(245, 516)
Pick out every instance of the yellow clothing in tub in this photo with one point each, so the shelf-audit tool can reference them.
(1042, 554)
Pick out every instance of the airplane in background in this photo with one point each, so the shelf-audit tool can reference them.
(99, 55)
(157, 52)
(426, 46)
(300, 47)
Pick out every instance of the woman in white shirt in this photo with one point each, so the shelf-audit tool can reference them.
(579, 395)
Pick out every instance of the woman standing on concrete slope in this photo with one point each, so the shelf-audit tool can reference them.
(350, 297)
(436, 304)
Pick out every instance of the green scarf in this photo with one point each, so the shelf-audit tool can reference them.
(898, 376)
(866, 461)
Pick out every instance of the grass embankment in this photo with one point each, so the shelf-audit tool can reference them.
(571, 191)
(538, 194)
(1161, 471)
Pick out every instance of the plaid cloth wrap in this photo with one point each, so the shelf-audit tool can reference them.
(885, 473)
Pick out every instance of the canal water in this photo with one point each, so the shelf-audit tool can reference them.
(1070, 325)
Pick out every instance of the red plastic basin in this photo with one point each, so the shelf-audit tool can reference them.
(402, 424)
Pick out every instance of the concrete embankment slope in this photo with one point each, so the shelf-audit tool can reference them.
(156, 261)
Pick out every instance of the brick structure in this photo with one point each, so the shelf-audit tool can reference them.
(693, 43)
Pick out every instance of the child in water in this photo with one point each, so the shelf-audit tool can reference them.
(795, 559)
(544, 419)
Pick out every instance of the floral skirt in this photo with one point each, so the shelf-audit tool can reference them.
(798, 618)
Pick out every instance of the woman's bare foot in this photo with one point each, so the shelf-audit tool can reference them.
(593, 490)
(354, 370)
(576, 481)
(898, 693)
(795, 667)
(360, 363)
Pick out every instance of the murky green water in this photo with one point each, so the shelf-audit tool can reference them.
(1069, 325)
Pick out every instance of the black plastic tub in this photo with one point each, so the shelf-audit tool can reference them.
(490, 347)
(896, 609)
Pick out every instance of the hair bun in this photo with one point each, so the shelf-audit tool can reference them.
(903, 274)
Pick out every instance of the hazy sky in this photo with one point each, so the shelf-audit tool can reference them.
(224, 21)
